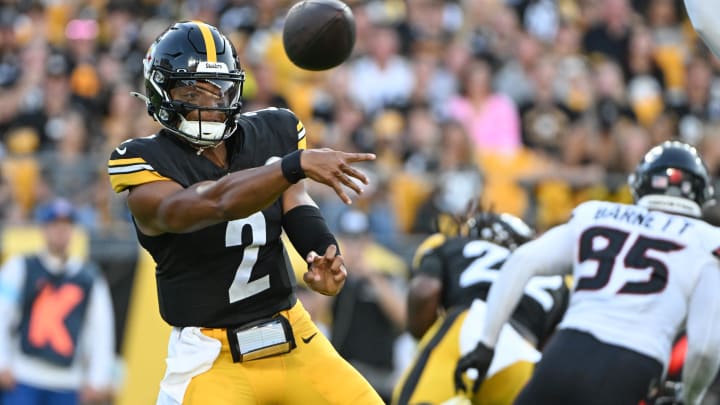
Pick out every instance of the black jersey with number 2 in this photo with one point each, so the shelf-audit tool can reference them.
(232, 272)
(467, 268)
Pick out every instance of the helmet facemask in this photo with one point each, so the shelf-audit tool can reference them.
(195, 122)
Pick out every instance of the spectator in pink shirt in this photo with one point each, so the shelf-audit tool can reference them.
(490, 118)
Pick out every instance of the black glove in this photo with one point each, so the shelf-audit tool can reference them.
(479, 358)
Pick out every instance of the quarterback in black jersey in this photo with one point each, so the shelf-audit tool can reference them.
(210, 195)
(451, 280)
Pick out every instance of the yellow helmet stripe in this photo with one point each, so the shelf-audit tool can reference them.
(209, 41)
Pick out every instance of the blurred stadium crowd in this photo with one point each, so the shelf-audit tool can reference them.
(530, 105)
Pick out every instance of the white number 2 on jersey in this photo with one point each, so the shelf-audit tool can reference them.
(241, 286)
(488, 256)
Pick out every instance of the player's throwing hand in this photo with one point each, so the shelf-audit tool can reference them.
(334, 169)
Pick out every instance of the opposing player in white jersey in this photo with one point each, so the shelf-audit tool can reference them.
(641, 273)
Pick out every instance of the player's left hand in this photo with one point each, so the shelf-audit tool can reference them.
(326, 274)
(479, 358)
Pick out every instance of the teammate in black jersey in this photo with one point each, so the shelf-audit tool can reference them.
(210, 195)
(451, 280)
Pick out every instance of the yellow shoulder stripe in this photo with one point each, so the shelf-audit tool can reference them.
(302, 141)
(431, 242)
(122, 181)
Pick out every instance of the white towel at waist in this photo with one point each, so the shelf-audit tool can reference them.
(190, 353)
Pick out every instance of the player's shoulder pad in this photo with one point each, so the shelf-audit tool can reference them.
(282, 121)
(430, 243)
(587, 208)
(132, 163)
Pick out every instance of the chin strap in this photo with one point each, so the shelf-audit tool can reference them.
(200, 149)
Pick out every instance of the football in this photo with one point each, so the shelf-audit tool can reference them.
(319, 34)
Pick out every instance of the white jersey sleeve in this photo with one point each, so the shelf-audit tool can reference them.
(548, 255)
(635, 272)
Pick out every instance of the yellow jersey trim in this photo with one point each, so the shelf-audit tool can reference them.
(122, 181)
(428, 244)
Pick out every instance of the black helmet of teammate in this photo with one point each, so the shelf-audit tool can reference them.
(672, 177)
(186, 53)
(503, 229)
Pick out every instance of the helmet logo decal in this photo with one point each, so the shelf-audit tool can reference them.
(209, 41)
(215, 67)
(659, 181)
(148, 62)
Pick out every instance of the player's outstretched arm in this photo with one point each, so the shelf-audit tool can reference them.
(704, 16)
(703, 331)
(165, 206)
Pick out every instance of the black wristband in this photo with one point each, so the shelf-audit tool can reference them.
(291, 168)
(307, 230)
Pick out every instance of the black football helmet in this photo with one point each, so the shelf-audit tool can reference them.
(186, 53)
(502, 229)
(672, 177)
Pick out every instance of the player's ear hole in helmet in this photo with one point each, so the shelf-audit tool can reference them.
(503, 229)
(194, 82)
(672, 177)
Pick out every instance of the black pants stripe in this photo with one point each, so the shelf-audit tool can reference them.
(578, 369)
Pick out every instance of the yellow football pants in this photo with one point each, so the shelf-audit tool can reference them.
(313, 373)
(429, 379)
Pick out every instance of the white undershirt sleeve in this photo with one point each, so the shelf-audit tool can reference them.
(550, 254)
(703, 333)
(704, 16)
